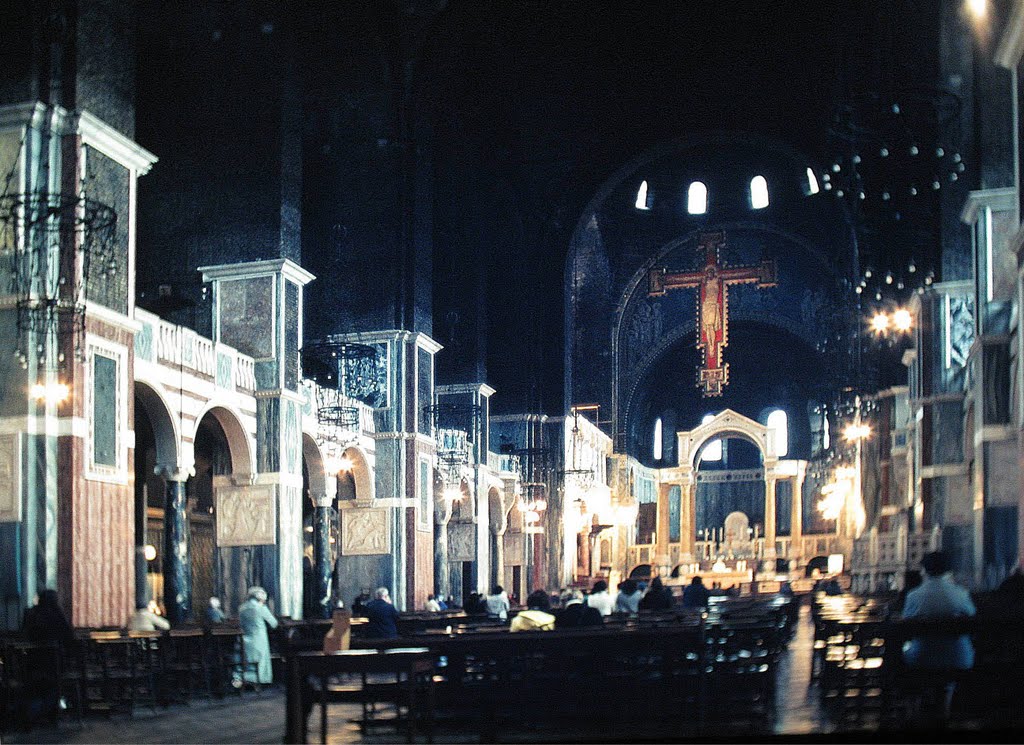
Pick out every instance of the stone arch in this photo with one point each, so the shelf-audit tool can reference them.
(497, 512)
(727, 423)
(240, 444)
(361, 472)
(641, 571)
(315, 466)
(601, 277)
(165, 426)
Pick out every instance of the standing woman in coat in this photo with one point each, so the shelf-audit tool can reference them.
(254, 617)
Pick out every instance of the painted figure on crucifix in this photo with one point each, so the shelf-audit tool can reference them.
(711, 314)
(712, 283)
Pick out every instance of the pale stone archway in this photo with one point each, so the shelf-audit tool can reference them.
(727, 423)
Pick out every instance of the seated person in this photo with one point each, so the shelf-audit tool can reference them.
(497, 604)
(536, 617)
(938, 597)
(359, 604)
(658, 597)
(628, 599)
(381, 616)
(214, 613)
(576, 613)
(143, 619)
(696, 594)
(600, 599)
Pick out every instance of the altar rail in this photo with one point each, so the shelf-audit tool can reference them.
(879, 560)
(811, 545)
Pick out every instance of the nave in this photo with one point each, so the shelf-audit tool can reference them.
(823, 689)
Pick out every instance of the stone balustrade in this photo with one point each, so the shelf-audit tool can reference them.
(177, 346)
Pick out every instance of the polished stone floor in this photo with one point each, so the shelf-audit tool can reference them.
(259, 717)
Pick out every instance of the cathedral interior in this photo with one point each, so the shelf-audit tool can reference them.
(437, 296)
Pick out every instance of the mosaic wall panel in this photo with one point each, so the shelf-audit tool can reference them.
(247, 315)
(145, 349)
(366, 379)
(108, 182)
(291, 336)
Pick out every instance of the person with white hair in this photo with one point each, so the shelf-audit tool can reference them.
(381, 616)
(214, 613)
(254, 617)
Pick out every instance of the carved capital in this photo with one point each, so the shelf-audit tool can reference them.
(243, 479)
(174, 472)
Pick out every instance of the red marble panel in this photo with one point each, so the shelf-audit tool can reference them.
(419, 567)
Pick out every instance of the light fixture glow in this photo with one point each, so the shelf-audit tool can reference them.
(51, 392)
(880, 323)
(345, 464)
(902, 320)
(854, 432)
(978, 8)
(452, 494)
(149, 552)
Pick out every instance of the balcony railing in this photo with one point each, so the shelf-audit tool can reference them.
(180, 347)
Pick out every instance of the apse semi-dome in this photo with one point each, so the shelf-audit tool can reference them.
(767, 200)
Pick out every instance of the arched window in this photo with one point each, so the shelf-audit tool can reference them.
(778, 422)
(826, 433)
(812, 181)
(713, 450)
(758, 192)
(697, 198)
(658, 442)
(641, 197)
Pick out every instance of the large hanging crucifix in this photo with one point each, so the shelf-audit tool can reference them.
(712, 281)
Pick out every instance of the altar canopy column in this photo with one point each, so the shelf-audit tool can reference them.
(661, 553)
(769, 516)
(177, 558)
(796, 522)
(687, 518)
(323, 567)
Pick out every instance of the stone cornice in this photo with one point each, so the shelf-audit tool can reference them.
(248, 269)
(1000, 200)
(100, 135)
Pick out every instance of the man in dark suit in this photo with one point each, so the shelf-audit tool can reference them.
(575, 612)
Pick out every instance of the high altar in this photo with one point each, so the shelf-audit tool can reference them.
(686, 555)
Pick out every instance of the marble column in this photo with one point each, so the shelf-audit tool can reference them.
(769, 519)
(141, 563)
(177, 559)
(687, 519)
(442, 585)
(498, 557)
(796, 519)
(322, 564)
(661, 555)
